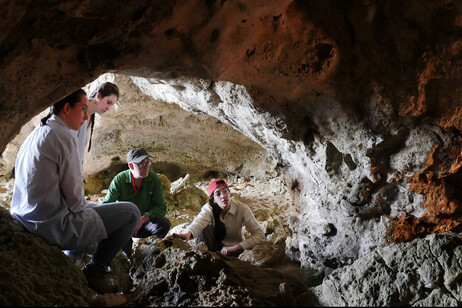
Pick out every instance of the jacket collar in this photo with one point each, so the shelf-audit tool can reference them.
(232, 207)
(56, 119)
(56, 122)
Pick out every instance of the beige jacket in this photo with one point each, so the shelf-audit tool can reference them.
(239, 215)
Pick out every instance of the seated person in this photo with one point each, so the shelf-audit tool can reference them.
(144, 188)
(220, 221)
(49, 200)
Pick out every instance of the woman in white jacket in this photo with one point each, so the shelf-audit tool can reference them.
(103, 98)
(48, 196)
(220, 221)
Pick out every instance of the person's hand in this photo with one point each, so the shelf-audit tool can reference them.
(230, 249)
(184, 236)
(143, 220)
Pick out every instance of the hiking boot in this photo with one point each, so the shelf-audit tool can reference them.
(100, 278)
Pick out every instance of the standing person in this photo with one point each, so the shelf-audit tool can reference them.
(220, 221)
(144, 188)
(48, 196)
(101, 100)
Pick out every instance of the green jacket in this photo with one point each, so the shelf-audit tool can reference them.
(150, 198)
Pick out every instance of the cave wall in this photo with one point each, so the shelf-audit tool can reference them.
(358, 101)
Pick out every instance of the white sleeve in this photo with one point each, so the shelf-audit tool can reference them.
(252, 225)
(201, 221)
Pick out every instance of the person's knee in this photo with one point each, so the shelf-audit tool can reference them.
(167, 223)
(133, 209)
(163, 223)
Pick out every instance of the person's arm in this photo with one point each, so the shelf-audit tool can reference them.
(230, 249)
(251, 224)
(70, 171)
(198, 224)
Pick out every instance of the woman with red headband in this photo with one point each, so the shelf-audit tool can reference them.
(219, 223)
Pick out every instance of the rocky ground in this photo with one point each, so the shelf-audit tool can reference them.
(169, 272)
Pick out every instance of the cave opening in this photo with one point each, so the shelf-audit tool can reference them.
(183, 137)
(183, 141)
(186, 127)
(194, 134)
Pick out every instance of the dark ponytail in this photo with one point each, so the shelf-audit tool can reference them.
(57, 107)
(220, 229)
(105, 89)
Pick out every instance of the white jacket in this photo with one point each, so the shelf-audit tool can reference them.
(83, 138)
(48, 195)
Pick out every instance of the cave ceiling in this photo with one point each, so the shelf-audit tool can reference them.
(291, 55)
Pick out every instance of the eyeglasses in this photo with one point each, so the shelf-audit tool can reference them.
(145, 164)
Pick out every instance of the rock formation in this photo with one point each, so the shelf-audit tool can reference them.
(358, 102)
(420, 273)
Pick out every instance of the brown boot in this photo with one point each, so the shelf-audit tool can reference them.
(100, 278)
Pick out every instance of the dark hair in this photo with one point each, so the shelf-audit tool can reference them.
(220, 228)
(105, 89)
(57, 107)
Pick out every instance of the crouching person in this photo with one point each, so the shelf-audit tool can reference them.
(49, 199)
(220, 221)
(144, 188)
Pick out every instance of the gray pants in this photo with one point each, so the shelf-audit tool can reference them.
(120, 220)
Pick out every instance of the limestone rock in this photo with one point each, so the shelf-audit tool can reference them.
(418, 273)
(190, 197)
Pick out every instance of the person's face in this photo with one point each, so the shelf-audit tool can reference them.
(221, 196)
(140, 170)
(105, 103)
(77, 115)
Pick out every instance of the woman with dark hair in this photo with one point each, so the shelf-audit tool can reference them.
(49, 200)
(100, 100)
(220, 221)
